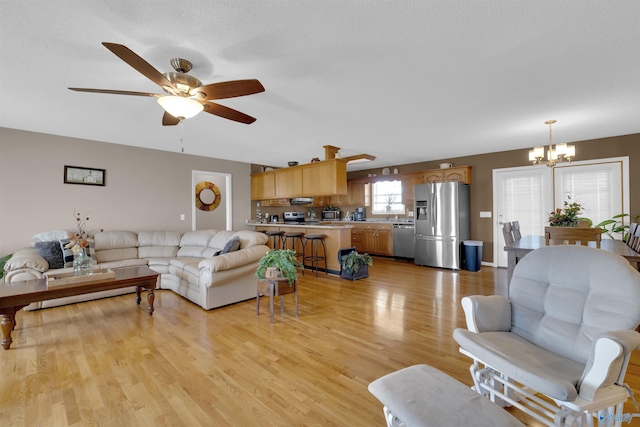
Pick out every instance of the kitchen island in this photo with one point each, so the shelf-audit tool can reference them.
(336, 237)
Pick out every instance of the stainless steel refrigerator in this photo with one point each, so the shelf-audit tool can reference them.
(442, 223)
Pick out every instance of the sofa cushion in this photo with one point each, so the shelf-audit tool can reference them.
(194, 243)
(220, 239)
(26, 258)
(158, 244)
(52, 252)
(116, 246)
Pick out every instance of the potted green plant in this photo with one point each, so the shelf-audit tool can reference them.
(282, 260)
(354, 265)
(616, 225)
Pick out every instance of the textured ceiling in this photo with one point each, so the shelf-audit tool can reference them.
(406, 81)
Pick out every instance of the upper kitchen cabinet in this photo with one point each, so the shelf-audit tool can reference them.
(289, 182)
(324, 178)
(408, 181)
(357, 194)
(316, 179)
(458, 174)
(263, 186)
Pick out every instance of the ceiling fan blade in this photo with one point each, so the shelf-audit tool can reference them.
(227, 113)
(169, 120)
(114, 92)
(142, 66)
(230, 89)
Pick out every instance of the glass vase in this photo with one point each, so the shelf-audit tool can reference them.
(82, 263)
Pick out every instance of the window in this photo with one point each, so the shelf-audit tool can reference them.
(597, 187)
(387, 193)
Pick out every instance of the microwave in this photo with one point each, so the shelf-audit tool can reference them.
(331, 215)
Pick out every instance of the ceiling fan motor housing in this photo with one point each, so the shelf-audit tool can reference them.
(184, 82)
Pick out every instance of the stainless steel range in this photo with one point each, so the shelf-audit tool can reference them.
(294, 217)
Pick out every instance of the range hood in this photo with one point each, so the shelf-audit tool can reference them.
(301, 200)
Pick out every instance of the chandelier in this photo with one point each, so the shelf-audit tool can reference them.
(555, 155)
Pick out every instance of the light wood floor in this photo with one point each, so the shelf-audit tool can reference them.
(108, 363)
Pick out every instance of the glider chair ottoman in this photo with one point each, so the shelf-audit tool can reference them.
(422, 396)
(559, 346)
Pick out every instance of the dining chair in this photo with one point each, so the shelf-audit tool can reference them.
(507, 232)
(572, 235)
(515, 226)
(633, 241)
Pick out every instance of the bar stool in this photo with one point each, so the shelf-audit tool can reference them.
(292, 236)
(315, 259)
(277, 237)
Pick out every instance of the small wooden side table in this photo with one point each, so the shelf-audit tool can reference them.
(276, 287)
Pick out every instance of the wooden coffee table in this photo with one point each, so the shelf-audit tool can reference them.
(16, 295)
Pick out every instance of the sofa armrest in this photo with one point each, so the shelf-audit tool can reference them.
(608, 360)
(487, 313)
(234, 259)
(26, 258)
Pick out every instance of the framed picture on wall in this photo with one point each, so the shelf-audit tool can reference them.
(84, 176)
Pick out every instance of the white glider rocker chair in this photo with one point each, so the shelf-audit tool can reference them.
(566, 333)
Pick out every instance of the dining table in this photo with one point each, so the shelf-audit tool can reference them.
(521, 247)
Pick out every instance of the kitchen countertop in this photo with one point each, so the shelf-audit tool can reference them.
(298, 225)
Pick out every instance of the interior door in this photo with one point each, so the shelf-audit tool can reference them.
(520, 194)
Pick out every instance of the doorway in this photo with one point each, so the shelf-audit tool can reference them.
(213, 214)
(527, 194)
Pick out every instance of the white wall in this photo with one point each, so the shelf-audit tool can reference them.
(145, 189)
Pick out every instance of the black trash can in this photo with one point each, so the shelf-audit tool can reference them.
(473, 254)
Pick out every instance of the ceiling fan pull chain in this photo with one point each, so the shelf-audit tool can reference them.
(181, 135)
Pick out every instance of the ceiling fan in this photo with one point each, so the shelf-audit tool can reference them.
(185, 96)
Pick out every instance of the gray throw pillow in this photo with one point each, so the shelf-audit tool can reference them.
(52, 252)
(232, 245)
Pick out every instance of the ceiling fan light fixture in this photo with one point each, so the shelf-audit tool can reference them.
(180, 107)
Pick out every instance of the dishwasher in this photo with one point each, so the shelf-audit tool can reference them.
(403, 240)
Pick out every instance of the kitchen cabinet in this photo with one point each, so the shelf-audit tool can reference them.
(356, 239)
(320, 202)
(288, 182)
(263, 186)
(356, 194)
(460, 174)
(457, 174)
(276, 202)
(372, 238)
(324, 178)
(408, 181)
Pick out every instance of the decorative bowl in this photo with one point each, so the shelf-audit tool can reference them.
(445, 165)
(293, 163)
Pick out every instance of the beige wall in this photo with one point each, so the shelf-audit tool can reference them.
(145, 189)
(482, 182)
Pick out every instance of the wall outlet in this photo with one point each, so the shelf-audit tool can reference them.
(485, 214)
(182, 217)
(410, 213)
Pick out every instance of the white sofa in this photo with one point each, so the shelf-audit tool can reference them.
(186, 262)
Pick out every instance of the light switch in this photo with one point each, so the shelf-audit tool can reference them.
(181, 217)
(485, 214)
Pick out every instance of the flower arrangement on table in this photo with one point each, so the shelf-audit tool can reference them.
(568, 216)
